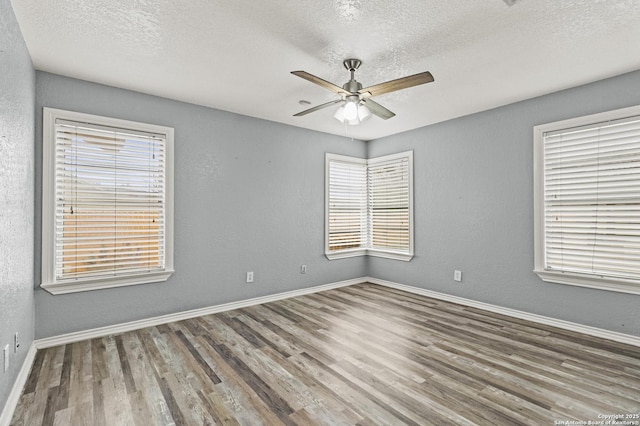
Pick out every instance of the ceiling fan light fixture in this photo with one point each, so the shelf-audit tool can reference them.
(364, 113)
(350, 111)
(353, 113)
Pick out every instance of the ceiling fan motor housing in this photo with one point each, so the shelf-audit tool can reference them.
(352, 86)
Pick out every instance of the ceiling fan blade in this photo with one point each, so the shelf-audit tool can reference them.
(398, 84)
(378, 109)
(320, 82)
(318, 107)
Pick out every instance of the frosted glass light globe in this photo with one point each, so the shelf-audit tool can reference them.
(350, 111)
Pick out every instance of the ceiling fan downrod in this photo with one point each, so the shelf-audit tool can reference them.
(352, 85)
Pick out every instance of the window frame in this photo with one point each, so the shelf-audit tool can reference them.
(601, 282)
(49, 281)
(367, 250)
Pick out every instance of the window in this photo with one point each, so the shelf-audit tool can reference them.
(347, 205)
(369, 206)
(107, 213)
(587, 201)
(390, 196)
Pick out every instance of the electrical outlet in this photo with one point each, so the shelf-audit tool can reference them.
(303, 269)
(457, 275)
(16, 342)
(6, 358)
(249, 277)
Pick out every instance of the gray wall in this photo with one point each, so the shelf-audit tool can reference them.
(249, 196)
(474, 208)
(17, 80)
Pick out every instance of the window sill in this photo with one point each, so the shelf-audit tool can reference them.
(395, 255)
(76, 286)
(343, 254)
(620, 285)
(406, 257)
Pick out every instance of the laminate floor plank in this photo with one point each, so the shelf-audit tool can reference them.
(34, 374)
(80, 380)
(51, 368)
(113, 362)
(358, 355)
(124, 366)
(98, 361)
(117, 408)
(99, 418)
(142, 370)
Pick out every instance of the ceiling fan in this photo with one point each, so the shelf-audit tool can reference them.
(357, 105)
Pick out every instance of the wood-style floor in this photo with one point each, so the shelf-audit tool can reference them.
(358, 355)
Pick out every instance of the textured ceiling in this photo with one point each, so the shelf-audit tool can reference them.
(237, 55)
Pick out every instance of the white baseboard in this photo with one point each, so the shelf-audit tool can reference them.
(18, 385)
(566, 325)
(164, 319)
(64, 339)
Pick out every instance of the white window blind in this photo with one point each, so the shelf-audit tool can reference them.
(369, 206)
(109, 206)
(347, 204)
(590, 216)
(592, 199)
(389, 204)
